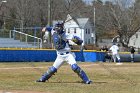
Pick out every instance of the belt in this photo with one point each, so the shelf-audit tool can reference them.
(64, 53)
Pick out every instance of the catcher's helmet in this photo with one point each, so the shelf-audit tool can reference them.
(59, 27)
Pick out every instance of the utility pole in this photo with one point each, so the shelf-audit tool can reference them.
(3, 13)
(94, 18)
(49, 21)
(49, 12)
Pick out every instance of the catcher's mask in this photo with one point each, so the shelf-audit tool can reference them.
(59, 27)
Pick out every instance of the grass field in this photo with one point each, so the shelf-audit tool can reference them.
(107, 78)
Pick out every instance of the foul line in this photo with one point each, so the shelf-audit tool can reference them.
(38, 67)
(22, 68)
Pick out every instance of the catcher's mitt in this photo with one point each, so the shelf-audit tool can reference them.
(77, 40)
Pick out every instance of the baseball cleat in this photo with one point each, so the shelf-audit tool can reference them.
(39, 80)
(88, 82)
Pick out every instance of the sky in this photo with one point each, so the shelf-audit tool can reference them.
(129, 2)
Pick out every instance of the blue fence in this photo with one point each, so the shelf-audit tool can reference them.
(39, 55)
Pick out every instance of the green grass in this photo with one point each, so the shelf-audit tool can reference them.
(107, 78)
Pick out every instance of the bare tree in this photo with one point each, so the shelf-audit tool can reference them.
(124, 19)
(35, 12)
(63, 7)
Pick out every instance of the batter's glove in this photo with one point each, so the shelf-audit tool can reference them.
(77, 40)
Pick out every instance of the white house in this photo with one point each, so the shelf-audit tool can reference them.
(135, 40)
(82, 28)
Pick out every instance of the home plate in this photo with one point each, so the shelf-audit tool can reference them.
(119, 63)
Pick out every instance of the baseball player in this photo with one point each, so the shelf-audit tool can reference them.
(114, 49)
(62, 42)
(132, 52)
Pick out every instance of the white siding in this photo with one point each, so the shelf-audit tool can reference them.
(89, 33)
(71, 26)
(135, 40)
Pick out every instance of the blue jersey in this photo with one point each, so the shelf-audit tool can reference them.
(59, 41)
(62, 41)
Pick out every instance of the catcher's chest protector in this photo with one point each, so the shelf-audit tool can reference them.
(58, 41)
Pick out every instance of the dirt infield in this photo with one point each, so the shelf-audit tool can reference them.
(16, 91)
(31, 67)
(21, 68)
(106, 77)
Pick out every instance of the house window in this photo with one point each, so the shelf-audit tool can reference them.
(68, 30)
(136, 35)
(92, 39)
(74, 30)
(88, 41)
(88, 31)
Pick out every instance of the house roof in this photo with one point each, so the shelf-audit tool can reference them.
(82, 21)
(79, 20)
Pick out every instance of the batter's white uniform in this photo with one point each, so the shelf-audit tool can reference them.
(114, 49)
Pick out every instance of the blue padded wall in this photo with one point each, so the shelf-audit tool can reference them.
(38, 55)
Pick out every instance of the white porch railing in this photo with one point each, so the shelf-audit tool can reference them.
(26, 38)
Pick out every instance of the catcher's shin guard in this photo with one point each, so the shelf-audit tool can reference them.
(81, 73)
(48, 74)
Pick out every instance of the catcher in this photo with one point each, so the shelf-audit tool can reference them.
(62, 43)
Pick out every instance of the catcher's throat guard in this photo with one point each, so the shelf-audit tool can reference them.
(59, 43)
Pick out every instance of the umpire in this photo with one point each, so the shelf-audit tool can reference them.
(132, 50)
